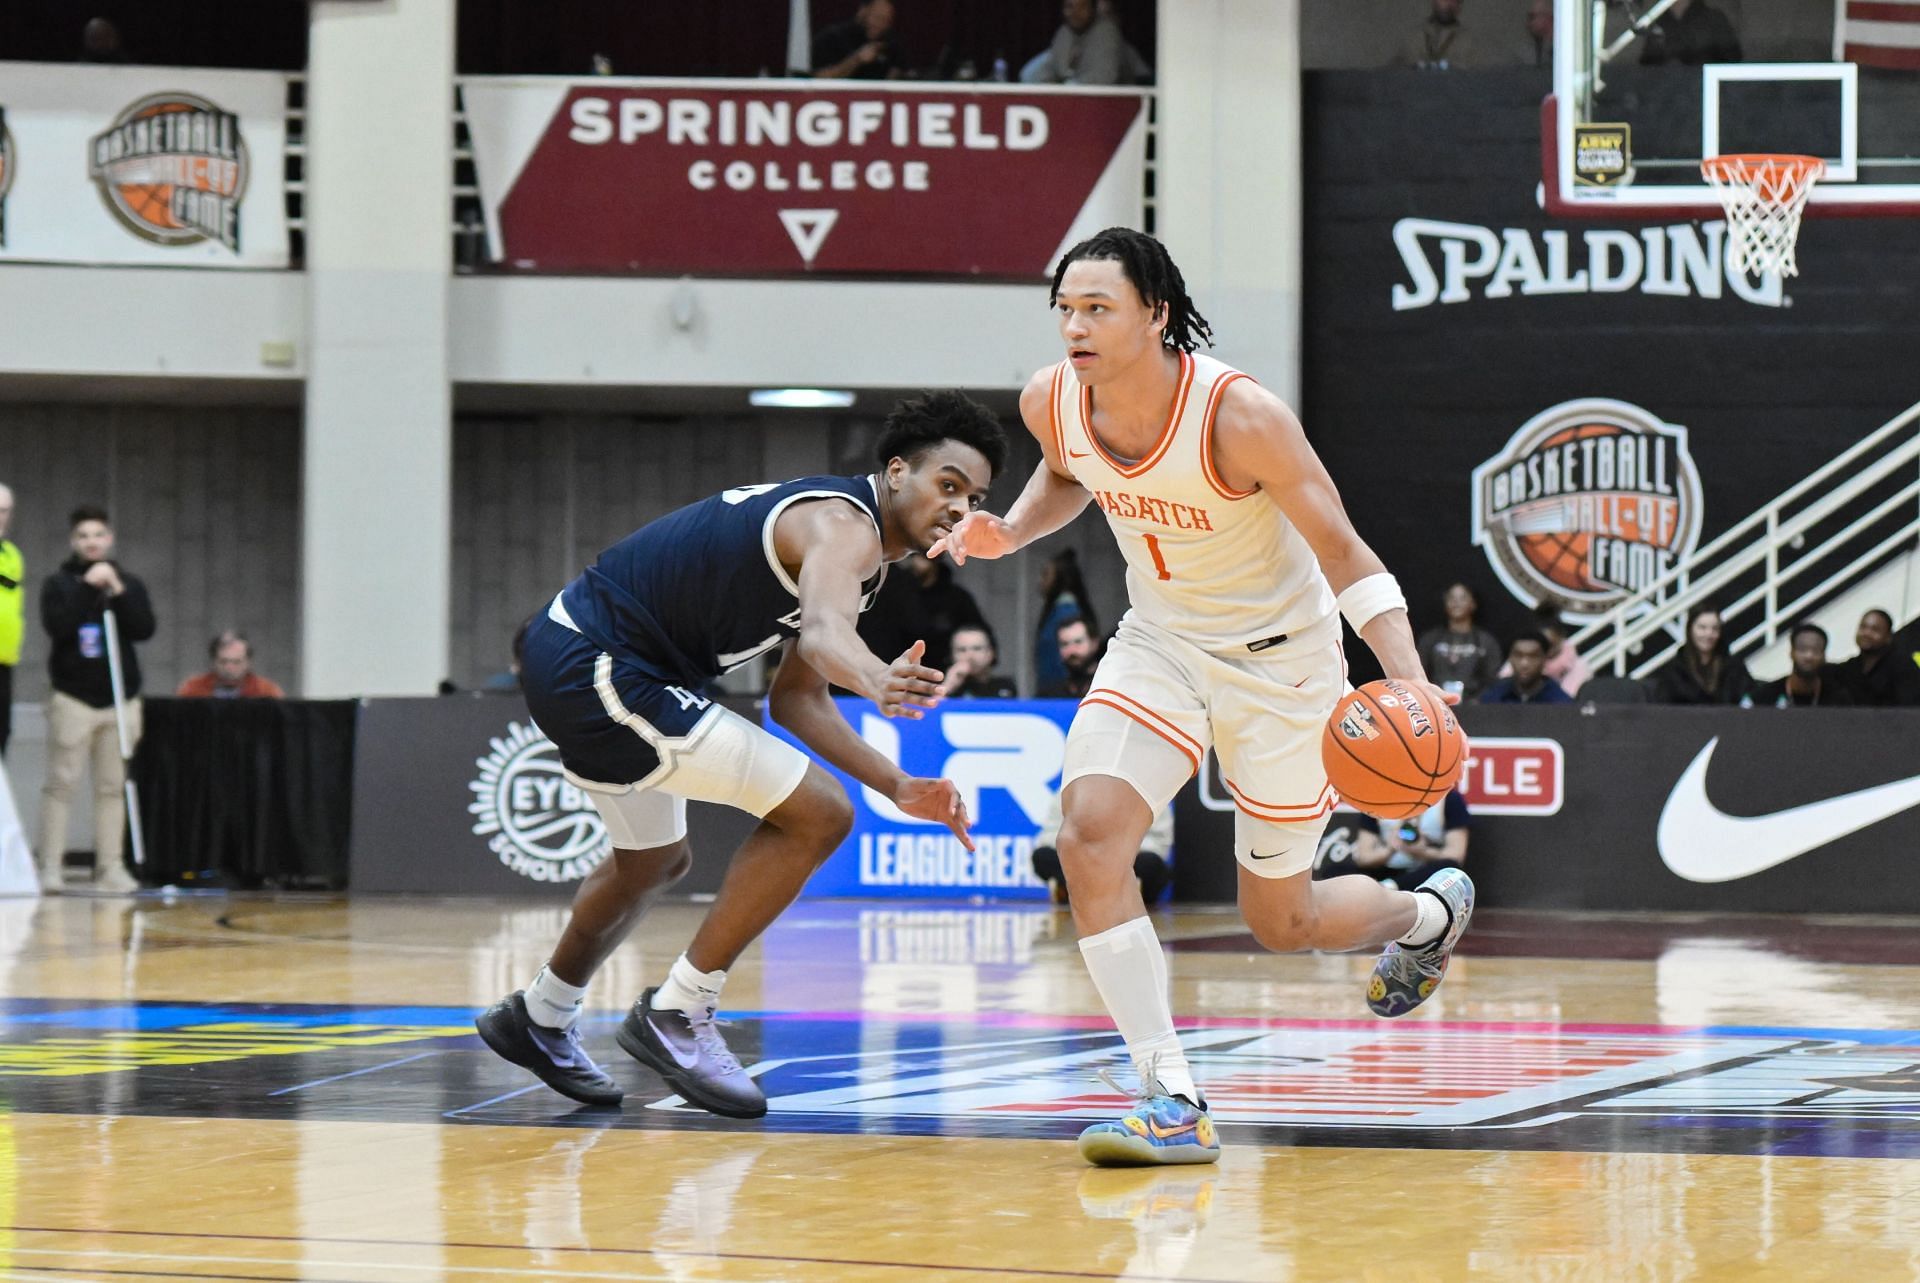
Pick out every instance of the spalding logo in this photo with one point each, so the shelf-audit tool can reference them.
(1415, 706)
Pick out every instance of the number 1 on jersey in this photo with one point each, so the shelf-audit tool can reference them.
(1159, 562)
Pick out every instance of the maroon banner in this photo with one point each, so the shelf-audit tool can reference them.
(721, 177)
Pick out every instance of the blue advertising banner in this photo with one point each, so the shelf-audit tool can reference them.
(1004, 756)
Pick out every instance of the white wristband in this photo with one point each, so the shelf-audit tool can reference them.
(1365, 598)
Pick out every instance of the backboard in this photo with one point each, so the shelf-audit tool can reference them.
(1634, 109)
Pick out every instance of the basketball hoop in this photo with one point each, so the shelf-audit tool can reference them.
(1764, 197)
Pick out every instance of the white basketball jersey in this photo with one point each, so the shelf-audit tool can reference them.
(1220, 567)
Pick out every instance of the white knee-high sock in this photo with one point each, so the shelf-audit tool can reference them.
(1129, 968)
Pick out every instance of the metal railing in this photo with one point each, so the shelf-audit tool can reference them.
(1820, 536)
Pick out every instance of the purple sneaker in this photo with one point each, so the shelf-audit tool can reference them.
(689, 1053)
(556, 1056)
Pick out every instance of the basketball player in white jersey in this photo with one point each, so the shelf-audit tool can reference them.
(1240, 562)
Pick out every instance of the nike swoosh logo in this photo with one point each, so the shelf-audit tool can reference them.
(1702, 843)
(1167, 1133)
(1271, 856)
(1078, 454)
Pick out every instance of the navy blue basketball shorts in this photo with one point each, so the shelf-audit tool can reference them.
(640, 746)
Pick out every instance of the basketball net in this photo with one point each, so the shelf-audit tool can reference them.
(1764, 197)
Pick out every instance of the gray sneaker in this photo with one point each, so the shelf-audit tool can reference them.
(1403, 978)
(689, 1053)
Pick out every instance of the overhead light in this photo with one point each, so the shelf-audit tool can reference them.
(800, 398)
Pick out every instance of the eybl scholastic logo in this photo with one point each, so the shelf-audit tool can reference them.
(173, 169)
(1589, 502)
(539, 823)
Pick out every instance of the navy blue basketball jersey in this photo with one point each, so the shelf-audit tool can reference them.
(701, 590)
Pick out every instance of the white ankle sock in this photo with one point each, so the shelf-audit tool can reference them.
(688, 989)
(553, 1002)
(1431, 919)
(1130, 970)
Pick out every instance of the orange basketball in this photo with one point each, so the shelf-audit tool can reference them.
(1389, 752)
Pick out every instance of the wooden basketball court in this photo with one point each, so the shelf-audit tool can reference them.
(235, 1088)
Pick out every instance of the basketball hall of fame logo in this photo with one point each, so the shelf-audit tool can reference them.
(1588, 503)
(539, 823)
(172, 168)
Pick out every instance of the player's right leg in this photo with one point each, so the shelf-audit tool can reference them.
(1140, 732)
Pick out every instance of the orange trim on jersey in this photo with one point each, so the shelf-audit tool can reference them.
(1167, 432)
(1214, 479)
(1053, 416)
(1198, 749)
(1327, 809)
(1246, 803)
(1095, 698)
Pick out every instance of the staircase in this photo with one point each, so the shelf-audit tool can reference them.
(1829, 547)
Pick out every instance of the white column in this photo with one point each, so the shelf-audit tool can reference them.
(376, 544)
(1228, 194)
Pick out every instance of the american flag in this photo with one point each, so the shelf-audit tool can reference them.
(1877, 33)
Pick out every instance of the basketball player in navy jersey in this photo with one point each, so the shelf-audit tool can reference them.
(612, 672)
(1240, 562)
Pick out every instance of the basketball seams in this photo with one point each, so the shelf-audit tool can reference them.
(1363, 763)
(1406, 744)
(1437, 775)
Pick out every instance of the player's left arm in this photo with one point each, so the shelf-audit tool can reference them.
(1258, 443)
(800, 700)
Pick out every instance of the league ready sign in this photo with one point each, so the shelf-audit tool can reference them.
(732, 177)
(1003, 755)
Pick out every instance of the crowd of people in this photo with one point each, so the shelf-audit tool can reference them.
(1088, 48)
(1542, 666)
(1689, 34)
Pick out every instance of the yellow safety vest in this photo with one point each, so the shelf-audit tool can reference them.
(13, 617)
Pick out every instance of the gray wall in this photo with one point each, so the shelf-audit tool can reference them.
(206, 509)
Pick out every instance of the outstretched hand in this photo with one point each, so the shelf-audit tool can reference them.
(936, 800)
(909, 685)
(978, 534)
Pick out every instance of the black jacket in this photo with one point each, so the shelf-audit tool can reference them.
(72, 611)
(1680, 683)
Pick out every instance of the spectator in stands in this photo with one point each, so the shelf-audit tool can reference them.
(1877, 676)
(1811, 684)
(13, 615)
(1688, 35)
(1564, 664)
(1460, 657)
(920, 603)
(1540, 33)
(1150, 865)
(864, 47)
(232, 675)
(1529, 684)
(1701, 671)
(100, 42)
(1063, 596)
(1079, 656)
(1442, 42)
(970, 674)
(1402, 853)
(80, 716)
(1088, 49)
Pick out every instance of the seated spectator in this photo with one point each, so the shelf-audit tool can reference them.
(1564, 664)
(232, 675)
(1150, 866)
(1441, 43)
(1088, 49)
(1460, 657)
(970, 675)
(1063, 596)
(1079, 656)
(1877, 676)
(1811, 684)
(1688, 35)
(863, 47)
(1400, 853)
(1701, 671)
(1529, 684)
(919, 601)
(1539, 44)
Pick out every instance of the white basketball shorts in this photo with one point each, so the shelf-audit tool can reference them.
(1158, 703)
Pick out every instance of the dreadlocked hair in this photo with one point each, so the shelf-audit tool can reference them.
(916, 426)
(1148, 265)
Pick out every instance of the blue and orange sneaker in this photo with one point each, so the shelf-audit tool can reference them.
(1159, 1129)
(1403, 978)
